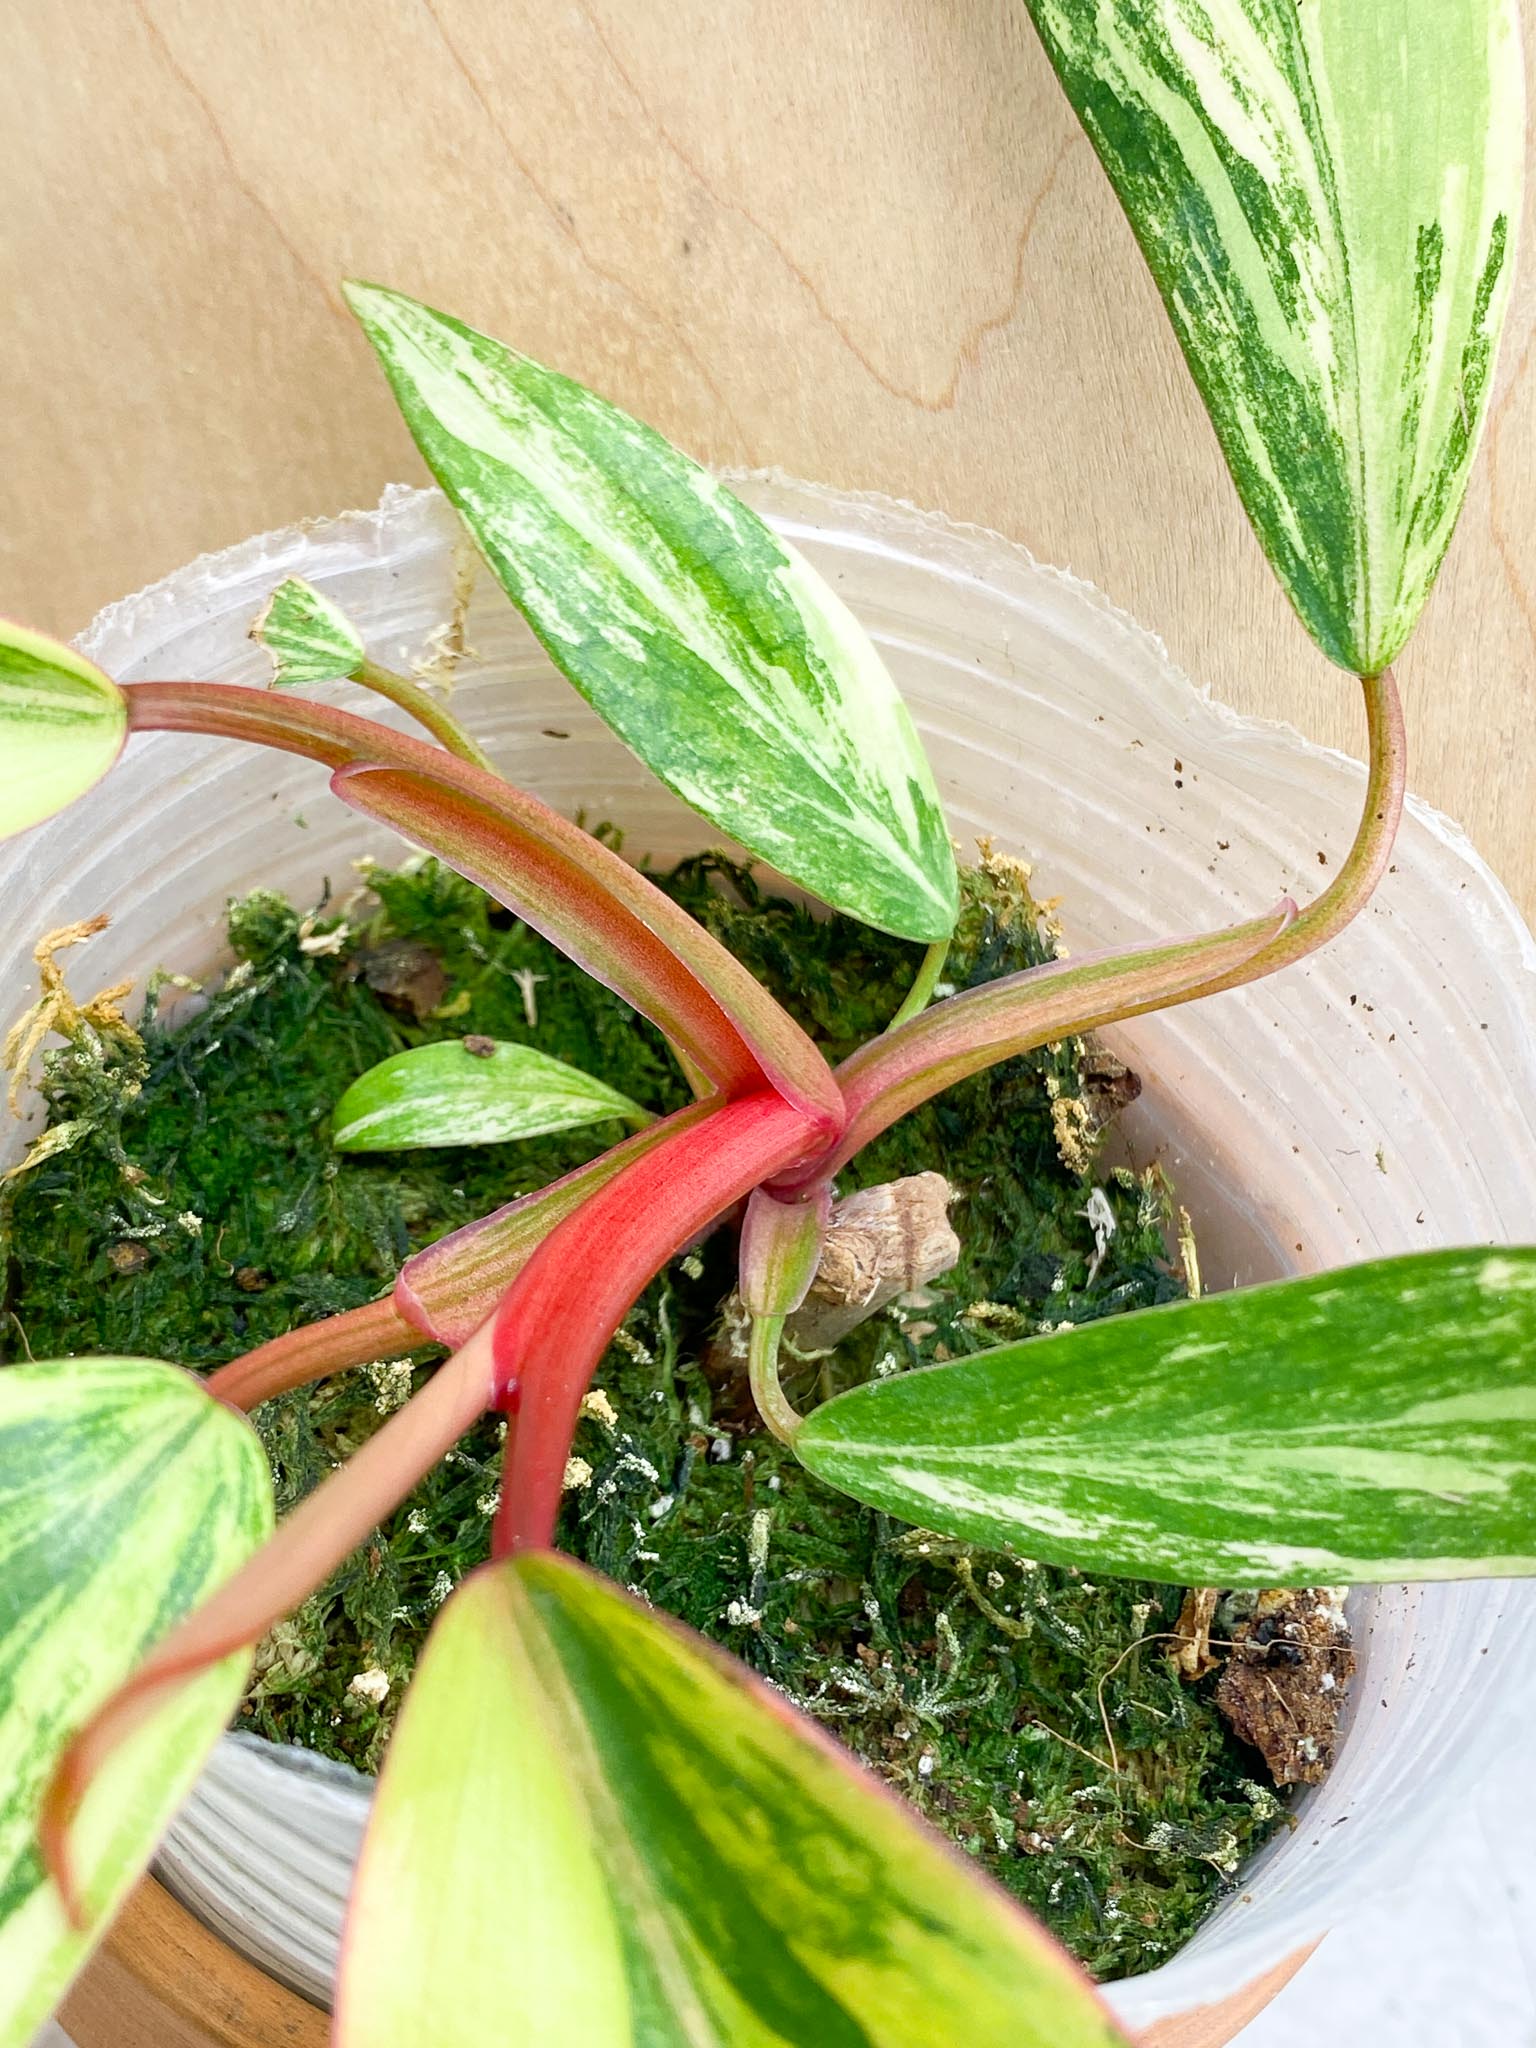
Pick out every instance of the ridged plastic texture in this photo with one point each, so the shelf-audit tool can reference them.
(1377, 1099)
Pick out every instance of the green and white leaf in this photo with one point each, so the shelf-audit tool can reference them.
(444, 1094)
(594, 1831)
(308, 638)
(126, 1495)
(711, 647)
(1328, 195)
(62, 725)
(1375, 1423)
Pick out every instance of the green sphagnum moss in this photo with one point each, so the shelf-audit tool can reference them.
(201, 1210)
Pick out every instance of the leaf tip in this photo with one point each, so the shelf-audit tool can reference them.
(360, 294)
(377, 306)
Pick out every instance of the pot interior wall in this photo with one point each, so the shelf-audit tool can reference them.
(1378, 1099)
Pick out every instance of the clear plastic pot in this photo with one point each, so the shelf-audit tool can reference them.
(1376, 1099)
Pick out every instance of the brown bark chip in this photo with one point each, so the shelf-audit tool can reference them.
(1286, 1678)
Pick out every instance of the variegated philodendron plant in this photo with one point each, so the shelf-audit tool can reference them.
(1327, 193)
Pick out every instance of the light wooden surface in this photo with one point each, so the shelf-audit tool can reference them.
(862, 242)
(161, 1980)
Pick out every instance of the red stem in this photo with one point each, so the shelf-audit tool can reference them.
(361, 1335)
(579, 893)
(442, 1294)
(563, 1309)
(560, 1314)
(451, 1287)
(892, 1075)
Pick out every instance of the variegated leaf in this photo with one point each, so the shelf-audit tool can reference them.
(479, 1091)
(126, 1494)
(308, 638)
(62, 725)
(593, 1830)
(1327, 192)
(1375, 1423)
(711, 647)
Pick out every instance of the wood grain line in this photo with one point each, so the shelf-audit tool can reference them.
(325, 286)
(970, 345)
(564, 220)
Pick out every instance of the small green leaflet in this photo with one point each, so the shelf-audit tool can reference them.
(62, 725)
(309, 640)
(599, 1831)
(1375, 1423)
(1328, 196)
(471, 1091)
(126, 1495)
(712, 648)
